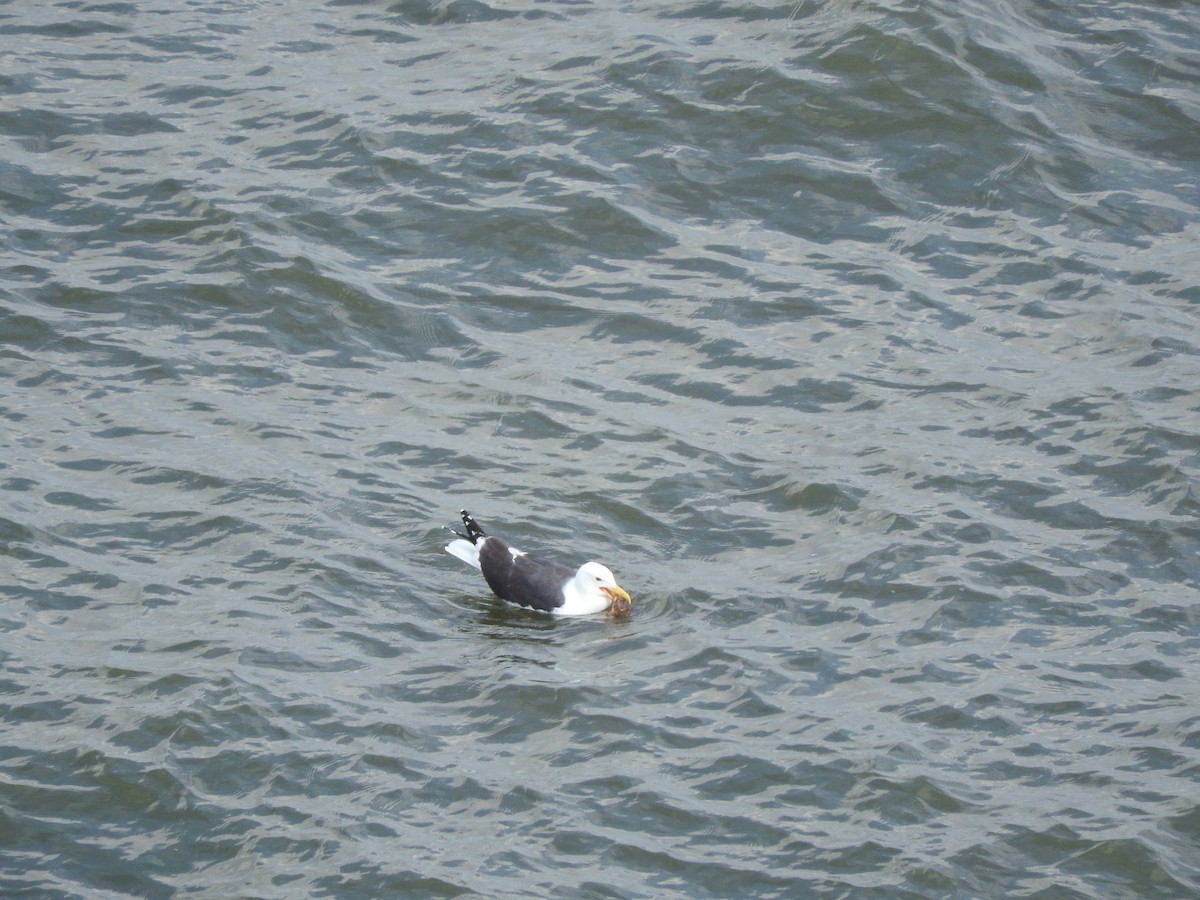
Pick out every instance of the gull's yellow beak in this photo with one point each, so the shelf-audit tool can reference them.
(622, 603)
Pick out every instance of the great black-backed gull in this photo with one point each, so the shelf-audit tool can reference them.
(536, 583)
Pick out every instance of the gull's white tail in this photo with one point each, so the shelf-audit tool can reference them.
(464, 550)
(466, 547)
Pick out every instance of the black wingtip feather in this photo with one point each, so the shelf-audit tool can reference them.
(474, 532)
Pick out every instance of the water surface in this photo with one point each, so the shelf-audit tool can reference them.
(859, 339)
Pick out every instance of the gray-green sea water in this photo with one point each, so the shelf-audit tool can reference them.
(860, 339)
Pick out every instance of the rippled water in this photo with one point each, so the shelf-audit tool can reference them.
(859, 338)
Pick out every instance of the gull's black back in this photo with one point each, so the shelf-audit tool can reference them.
(524, 580)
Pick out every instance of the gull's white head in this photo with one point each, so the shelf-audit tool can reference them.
(595, 580)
